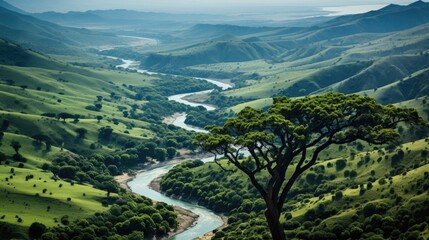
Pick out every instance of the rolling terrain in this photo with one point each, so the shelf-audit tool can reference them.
(350, 188)
(49, 37)
(70, 121)
(348, 54)
(67, 130)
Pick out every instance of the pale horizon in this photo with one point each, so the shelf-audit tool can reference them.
(198, 6)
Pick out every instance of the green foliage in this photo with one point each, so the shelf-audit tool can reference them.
(126, 217)
(340, 164)
(201, 117)
(285, 133)
(36, 230)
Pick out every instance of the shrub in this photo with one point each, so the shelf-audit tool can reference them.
(340, 164)
(338, 195)
(36, 230)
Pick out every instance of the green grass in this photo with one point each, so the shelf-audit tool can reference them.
(19, 198)
(258, 104)
(412, 156)
(70, 91)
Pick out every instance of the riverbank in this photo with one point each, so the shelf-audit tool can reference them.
(170, 119)
(156, 186)
(185, 155)
(185, 218)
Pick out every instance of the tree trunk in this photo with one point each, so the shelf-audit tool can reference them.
(273, 218)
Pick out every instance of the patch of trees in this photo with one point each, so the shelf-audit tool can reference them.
(173, 85)
(200, 117)
(91, 170)
(129, 217)
(105, 133)
(10, 231)
(222, 101)
(158, 105)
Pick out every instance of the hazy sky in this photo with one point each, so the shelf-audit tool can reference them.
(203, 6)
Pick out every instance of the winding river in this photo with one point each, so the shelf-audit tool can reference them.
(207, 220)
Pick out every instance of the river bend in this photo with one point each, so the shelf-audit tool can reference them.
(207, 220)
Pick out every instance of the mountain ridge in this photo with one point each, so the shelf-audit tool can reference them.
(46, 36)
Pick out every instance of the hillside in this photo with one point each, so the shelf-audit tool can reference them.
(7, 5)
(350, 64)
(352, 187)
(36, 89)
(72, 122)
(65, 131)
(49, 37)
(209, 31)
(301, 46)
(227, 49)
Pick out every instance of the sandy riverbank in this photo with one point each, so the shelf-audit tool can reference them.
(170, 119)
(185, 217)
(155, 185)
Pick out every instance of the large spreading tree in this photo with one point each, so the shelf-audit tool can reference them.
(287, 139)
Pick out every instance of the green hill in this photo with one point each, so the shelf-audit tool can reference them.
(65, 131)
(224, 49)
(389, 19)
(349, 187)
(48, 37)
(209, 31)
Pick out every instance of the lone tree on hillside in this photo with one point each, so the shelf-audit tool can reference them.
(81, 132)
(64, 116)
(99, 118)
(16, 146)
(286, 140)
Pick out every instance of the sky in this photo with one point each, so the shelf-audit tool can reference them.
(189, 6)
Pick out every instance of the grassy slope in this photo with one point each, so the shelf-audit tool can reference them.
(381, 168)
(19, 196)
(48, 80)
(65, 88)
(415, 166)
(348, 64)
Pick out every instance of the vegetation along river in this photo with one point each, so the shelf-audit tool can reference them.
(207, 220)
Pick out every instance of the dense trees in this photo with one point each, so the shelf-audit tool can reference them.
(282, 137)
(338, 201)
(91, 170)
(129, 217)
(201, 117)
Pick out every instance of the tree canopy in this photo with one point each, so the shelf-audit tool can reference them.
(287, 139)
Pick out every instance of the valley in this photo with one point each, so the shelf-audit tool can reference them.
(86, 97)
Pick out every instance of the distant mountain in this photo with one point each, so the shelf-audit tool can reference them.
(216, 30)
(126, 20)
(45, 36)
(224, 49)
(389, 19)
(14, 55)
(9, 6)
(304, 45)
(70, 18)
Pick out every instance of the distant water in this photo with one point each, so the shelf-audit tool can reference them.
(355, 9)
